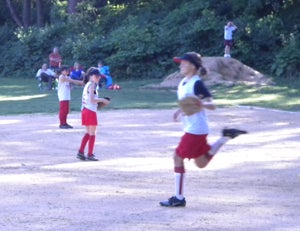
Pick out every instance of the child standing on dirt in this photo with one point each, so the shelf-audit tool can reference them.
(89, 119)
(228, 40)
(64, 95)
(193, 144)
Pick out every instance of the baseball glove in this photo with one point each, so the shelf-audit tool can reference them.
(190, 105)
(101, 104)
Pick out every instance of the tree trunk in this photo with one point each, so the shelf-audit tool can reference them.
(72, 4)
(13, 13)
(101, 3)
(26, 13)
(40, 13)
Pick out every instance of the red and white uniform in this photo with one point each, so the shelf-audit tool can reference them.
(88, 108)
(197, 123)
(86, 103)
(64, 90)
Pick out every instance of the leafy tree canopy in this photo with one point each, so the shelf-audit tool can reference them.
(138, 38)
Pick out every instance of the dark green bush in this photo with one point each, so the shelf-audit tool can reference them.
(138, 40)
(287, 62)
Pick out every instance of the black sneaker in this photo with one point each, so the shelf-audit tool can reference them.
(69, 126)
(81, 156)
(232, 132)
(65, 126)
(92, 158)
(173, 202)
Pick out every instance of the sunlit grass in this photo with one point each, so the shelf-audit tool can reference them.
(18, 98)
(21, 96)
(283, 97)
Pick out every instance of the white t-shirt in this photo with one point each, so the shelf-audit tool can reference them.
(47, 71)
(197, 123)
(64, 90)
(86, 103)
(228, 32)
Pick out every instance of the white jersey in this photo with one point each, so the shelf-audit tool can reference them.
(64, 90)
(196, 123)
(86, 102)
(228, 32)
(47, 71)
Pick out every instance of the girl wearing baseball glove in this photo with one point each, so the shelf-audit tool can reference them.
(89, 106)
(193, 144)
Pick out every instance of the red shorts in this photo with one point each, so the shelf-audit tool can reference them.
(88, 117)
(228, 43)
(192, 146)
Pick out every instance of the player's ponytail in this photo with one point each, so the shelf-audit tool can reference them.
(202, 71)
(91, 71)
(86, 78)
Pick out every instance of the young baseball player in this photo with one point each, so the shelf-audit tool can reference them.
(193, 144)
(64, 95)
(90, 102)
(228, 41)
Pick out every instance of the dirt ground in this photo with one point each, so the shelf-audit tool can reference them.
(252, 184)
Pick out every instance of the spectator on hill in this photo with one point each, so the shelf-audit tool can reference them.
(228, 41)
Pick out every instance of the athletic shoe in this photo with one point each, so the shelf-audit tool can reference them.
(65, 126)
(232, 132)
(92, 158)
(173, 202)
(81, 156)
(69, 126)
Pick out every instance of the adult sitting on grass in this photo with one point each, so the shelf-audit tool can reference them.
(105, 72)
(45, 74)
(77, 72)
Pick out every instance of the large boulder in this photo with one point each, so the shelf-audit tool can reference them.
(228, 71)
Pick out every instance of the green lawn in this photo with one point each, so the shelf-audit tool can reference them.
(19, 96)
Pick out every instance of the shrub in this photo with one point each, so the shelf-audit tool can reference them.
(287, 62)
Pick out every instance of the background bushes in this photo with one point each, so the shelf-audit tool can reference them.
(139, 39)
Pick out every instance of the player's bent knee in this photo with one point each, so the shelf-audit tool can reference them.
(201, 165)
(202, 161)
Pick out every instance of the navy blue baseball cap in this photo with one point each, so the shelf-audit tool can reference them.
(192, 57)
(94, 71)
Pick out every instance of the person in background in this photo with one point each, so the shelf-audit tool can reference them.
(55, 59)
(45, 74)
(77, 72)
(228, 41)
(64, 95)
(105, 71)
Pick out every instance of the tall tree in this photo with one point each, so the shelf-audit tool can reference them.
(40, 13)
(72, 4)
(26, 14)
(13, 13)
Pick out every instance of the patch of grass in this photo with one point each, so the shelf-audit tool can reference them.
(278, 96)
(22, 96)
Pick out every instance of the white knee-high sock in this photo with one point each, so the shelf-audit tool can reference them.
(217, 145)
(179, 178)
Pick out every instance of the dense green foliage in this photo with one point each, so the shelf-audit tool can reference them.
(138, 40)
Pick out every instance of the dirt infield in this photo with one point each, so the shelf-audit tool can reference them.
(252, 184)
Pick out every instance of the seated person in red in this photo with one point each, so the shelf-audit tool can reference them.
(45, 74)
(77, 72)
